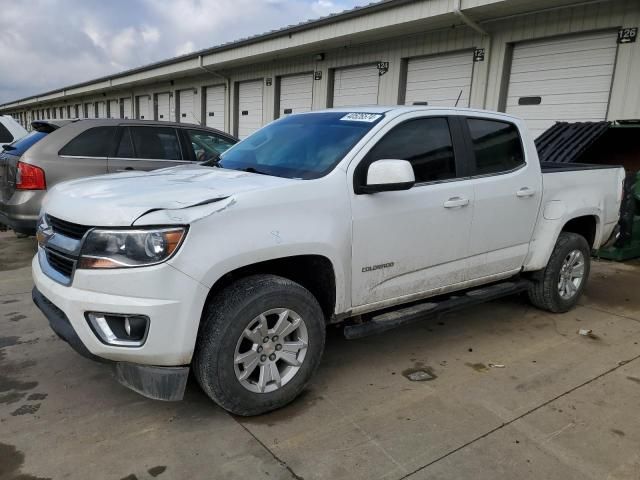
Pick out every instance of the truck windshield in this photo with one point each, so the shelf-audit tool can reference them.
(304, 146)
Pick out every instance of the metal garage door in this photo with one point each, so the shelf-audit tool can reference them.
(114, 109)
(355, 86)
(440, 80)
(296, 94)
(164, 107)
(249, 107)
(102, 110)
(186, 107)
(214, 110)
(127, 111)
(143, 107)
(562, 79)
(87, 110)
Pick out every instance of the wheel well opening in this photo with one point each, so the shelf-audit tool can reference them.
(313, 272)
(585, 226)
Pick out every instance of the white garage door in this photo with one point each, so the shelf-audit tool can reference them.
(114, 109)
(296, 94)
(127, 111)
(565, 79)
(440, 80)
(164, 109)
(143, 110)
(214, 111)
(89, 110)
(102, 109)
(249, 107)
(355, 86)
(187, 112)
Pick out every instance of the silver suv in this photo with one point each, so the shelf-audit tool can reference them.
(84, 148)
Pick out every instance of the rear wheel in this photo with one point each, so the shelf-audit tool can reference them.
(261, 341)
(562, 282)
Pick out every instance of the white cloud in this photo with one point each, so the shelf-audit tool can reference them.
(49, 44)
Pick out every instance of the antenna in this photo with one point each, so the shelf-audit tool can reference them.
(459, 95)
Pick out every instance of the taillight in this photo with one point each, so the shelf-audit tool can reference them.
(30, 177)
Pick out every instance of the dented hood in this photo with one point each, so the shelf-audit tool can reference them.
(121, 198)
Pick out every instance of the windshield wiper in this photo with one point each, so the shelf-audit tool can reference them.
(253, 170)
(212, 162)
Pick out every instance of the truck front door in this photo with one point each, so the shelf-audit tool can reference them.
(414, 241)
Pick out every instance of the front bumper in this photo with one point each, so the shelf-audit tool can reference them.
(172, 301)
(158, 383)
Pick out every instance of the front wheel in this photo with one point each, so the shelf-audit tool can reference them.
(261, 340)
(562, 282)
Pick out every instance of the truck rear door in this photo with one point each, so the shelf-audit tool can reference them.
(507, 185)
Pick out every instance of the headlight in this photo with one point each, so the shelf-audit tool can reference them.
(129, 248)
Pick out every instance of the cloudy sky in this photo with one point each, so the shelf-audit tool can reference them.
(47, 44)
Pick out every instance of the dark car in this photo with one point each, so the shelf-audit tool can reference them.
(89, 147)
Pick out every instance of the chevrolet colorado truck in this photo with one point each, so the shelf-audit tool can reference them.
(374, 217)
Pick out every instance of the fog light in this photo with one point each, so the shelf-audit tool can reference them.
(119, 330)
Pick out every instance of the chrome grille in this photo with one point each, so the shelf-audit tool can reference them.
(68, 229)
(60, 249)
(62, 263)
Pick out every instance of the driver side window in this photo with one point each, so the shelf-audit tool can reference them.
(206, 145)
(425, 143)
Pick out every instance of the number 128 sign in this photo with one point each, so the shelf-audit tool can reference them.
(627, 35)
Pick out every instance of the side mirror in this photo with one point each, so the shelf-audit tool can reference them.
(388, 176)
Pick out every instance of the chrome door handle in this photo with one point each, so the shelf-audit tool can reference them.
(456, 202)
(525, 192)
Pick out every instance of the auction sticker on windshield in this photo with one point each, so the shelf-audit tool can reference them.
(361, 117)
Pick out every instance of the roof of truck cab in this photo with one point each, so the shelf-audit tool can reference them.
(394, 110)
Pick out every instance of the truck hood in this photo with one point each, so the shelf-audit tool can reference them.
(119, 199)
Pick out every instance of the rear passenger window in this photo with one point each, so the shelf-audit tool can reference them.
(159, 143)
(425, 142)
(496, 145)
(5, 135)
(125, 147)
(95, 142)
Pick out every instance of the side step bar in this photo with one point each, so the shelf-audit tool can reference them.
(423, 311)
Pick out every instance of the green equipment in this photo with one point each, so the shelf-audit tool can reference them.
(627, 245)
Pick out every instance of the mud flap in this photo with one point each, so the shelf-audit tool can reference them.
(158, 383)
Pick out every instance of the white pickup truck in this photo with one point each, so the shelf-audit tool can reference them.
(367, 216)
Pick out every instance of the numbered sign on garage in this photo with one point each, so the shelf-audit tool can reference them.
(127, 111)
(163, 106)
(296, 94)
(186, 111)
(214, 106)
(143, 110)
(440, 80)
(114, 109)
(562, 79)
(356, 86)
(249, 107)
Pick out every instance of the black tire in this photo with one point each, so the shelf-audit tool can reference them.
(543, 292)
(227, 315)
